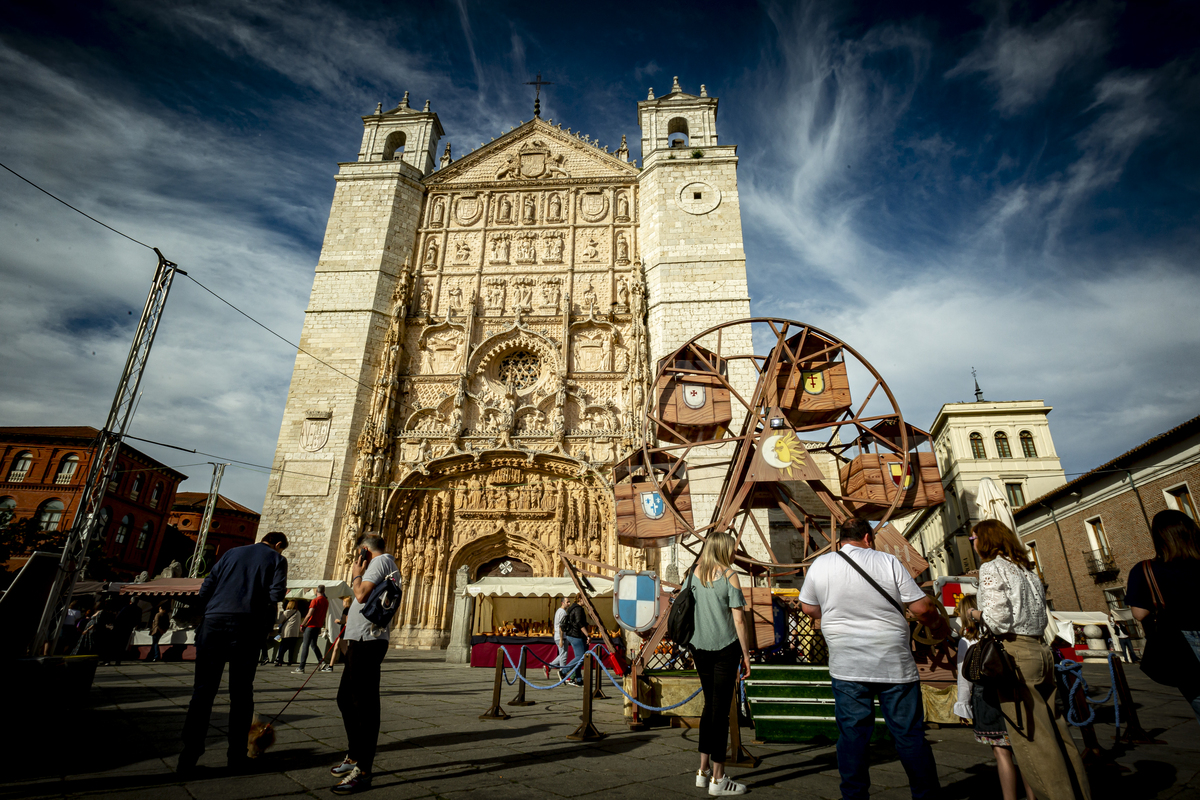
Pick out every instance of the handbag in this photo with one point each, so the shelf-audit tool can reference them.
(987, 663)
(681, 619)
(1167, 653)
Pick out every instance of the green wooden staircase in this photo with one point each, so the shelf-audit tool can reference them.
(794, 703)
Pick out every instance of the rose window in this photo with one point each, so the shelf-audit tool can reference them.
(521, 369)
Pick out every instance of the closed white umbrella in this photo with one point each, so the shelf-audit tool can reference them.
(990, 503)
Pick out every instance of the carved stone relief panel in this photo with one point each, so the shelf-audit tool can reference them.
(463, 249)
(493, 296)
(591, 291)
(500, 248)
(592, 350)
(525, 247)
(458, 295)
(553, 245)
(550, 295)
(622, 247)
(592, 246)
(522, 295)
(440, 351)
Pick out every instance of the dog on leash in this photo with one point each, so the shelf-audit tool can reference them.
(261, 737)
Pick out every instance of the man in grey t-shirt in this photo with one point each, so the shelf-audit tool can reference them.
(366, 645)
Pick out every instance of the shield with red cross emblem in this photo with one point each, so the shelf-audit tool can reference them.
(693, 395)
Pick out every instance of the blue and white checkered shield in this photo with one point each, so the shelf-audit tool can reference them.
(635, 599)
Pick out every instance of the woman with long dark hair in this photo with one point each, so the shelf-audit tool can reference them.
(720, 648)
(1175, 570)
(980, 706)
(1012, 602)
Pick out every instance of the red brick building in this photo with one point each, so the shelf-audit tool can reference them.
(42, 472)
(233, 525)
(1088, 533)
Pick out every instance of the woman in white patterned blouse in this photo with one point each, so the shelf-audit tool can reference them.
(1012, 603)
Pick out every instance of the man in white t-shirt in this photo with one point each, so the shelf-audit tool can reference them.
(870, 655)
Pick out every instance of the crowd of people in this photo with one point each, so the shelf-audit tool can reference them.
(864, 599)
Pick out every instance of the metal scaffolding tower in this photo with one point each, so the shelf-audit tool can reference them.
(104, 460)
(209, 507)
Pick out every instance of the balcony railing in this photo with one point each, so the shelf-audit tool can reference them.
(1099, 562)
(17, 476)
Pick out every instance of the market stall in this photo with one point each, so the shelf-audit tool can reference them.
(515, 612)
(179, 643)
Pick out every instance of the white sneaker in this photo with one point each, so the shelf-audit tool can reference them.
(702, 778)
(724, 787)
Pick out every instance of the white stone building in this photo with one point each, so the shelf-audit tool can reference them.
(486, 331)
(1008, 441)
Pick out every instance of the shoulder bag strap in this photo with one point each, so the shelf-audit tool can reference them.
(871, 581)
(1156, 595)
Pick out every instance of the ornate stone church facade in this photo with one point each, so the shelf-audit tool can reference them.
(480, 340)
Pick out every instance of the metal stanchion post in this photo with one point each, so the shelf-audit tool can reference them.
(586, 731)
(1134, 732)
(496, 712)
(598, 692)
(520, 700)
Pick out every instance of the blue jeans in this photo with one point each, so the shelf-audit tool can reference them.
(578, 646)
(155, 654)
(854, 707)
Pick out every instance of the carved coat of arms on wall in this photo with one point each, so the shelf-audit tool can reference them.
(315, 432)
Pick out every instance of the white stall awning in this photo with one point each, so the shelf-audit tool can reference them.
(536, 587)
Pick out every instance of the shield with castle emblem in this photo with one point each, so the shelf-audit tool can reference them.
(652, 505)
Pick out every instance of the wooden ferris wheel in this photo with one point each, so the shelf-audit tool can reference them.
(757, 424)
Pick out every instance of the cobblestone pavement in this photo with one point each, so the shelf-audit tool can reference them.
(434, 745)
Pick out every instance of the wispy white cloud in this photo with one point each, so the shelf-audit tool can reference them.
(1023, 63)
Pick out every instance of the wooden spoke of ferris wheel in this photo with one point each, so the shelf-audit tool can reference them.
(839, 424)
(870, 394)
(881, 440)
(724, 380)
(762, 537)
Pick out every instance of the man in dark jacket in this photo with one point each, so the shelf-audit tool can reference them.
(574, 630)
(238, 598)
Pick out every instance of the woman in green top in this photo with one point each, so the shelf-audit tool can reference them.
(719, 649)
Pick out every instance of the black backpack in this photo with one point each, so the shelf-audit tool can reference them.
(681, 619)
(383, 602)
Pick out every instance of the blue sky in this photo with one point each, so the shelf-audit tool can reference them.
(1011, 187)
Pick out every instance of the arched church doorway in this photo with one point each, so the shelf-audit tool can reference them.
(504, 567)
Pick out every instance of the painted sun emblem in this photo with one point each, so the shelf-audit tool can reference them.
(782, 450)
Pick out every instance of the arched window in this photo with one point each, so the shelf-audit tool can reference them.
(144, 536)
(977, 450)
(66, 469)
(677, 132)
(156, 495)
(8, 509)
(50, 514)
(20, 467)
(124, 528)
(1002, 447)
(102, 524)
(137, 486)
(1027, 448)
(393, 144)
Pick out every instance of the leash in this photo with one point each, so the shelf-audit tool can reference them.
(328, 655)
